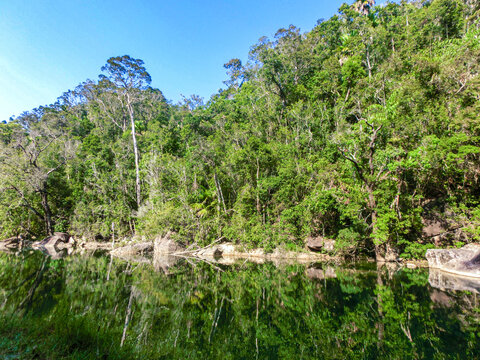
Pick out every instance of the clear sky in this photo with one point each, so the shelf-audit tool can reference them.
(50, 46)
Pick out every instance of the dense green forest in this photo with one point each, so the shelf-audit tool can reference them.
(353, 131)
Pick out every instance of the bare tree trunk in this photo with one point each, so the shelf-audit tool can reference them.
(135, 151)
(259, 208)
(127, 318)
(47, 211)
(373, 213)
(381, 321)
(369, 66)
(221, 200)
(379, 256)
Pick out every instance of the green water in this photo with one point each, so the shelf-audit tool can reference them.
(82, 306)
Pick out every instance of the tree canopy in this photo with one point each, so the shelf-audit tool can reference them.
(360, 130)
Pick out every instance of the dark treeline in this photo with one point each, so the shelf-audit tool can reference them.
(351, 131)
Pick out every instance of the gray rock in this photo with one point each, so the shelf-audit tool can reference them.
(445, 281)
(321, 274)
(210, 252)
(464, 261)
(319, 243)
(56, 242)
(166, 245)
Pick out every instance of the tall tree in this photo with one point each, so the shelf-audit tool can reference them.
(127, 77)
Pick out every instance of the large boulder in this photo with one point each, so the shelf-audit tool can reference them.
(445, 281)
(57, 241)
(320, 243)
(166, 245)
(464, 261)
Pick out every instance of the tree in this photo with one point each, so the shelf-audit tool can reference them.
(364, 145)
(364, 6)
(236, 72)
(126, 78)
(37, 148)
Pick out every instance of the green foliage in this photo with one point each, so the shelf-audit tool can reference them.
(347, 239)
(416, 250)
(344, 132)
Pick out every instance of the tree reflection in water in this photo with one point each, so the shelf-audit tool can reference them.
(88, 306)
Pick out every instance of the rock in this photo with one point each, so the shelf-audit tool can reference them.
(279, 253)
(166, 245)
(55, 253)
(163, 262)
(445, 281)
(329, 245)
(228, 260)
(133, 250)
(228, 249)
(433, 228)
(210, 252)
(257, 253)
(12, 243)
(321, 274)
(314, 243)
(94, 246)
(231, 250)
(57, 241)
(256, 259)
(319, 243)
(464, 261)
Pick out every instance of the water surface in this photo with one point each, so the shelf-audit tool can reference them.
(98, 307)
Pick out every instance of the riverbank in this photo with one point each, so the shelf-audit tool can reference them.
(227, 253)
(62, 244)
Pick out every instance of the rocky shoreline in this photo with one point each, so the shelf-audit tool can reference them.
(61, 244)
(463, 262)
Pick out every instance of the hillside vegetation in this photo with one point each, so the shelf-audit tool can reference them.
(357, 131)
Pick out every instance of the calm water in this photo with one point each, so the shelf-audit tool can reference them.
(98, 307)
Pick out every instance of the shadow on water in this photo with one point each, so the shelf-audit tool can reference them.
(102, 307)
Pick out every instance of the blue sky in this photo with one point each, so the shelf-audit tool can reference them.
(50, 46)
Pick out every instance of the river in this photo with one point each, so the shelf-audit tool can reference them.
(98, 307)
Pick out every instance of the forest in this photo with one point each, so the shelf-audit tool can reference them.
(360, 130)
